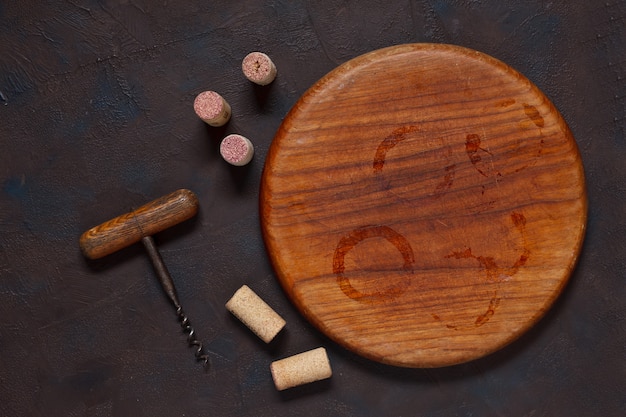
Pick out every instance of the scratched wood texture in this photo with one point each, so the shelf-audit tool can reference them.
(423, 204)
(96, 119)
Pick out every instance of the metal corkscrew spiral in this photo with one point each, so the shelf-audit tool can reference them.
(140, 225)
(191, 337)
(168, 286)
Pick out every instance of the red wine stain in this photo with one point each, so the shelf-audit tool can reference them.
(447, 181)
(394, 287)
(474, 150)
(397, 136)
(519, 220)
(491, 310)
(486, 262)
(533, 114)
(472, 146)
(494, 272)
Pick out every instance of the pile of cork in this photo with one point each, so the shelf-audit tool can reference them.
(245, 304)
(215, 111)
(258, 316)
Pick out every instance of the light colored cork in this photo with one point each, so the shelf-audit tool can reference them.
(255, 313)
(301, 369)
(258, 68)
(212, 108)
(236, 150)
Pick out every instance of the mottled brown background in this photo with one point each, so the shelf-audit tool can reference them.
(96, 117)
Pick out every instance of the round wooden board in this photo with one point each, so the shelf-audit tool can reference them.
(423, 205)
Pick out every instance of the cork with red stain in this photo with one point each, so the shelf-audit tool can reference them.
(258, 68)
(212, 108)
(236, 150)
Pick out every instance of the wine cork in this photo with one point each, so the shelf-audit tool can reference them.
(255, 313)
(258, 68)
(212, 108)
(236, 150)
(301, 369)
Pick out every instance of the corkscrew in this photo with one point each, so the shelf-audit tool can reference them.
(140, 225)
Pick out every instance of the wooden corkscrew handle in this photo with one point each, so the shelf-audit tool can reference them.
(140, 225)
(147, 220)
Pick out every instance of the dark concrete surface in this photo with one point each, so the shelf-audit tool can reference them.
(96, 118)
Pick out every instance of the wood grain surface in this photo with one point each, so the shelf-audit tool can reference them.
(423, 205)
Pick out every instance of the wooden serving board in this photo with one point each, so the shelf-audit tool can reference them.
(423, 205)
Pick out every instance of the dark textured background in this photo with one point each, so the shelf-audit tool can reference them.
(96, 117)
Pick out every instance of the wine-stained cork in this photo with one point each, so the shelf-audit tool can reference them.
(212, 108)
(258, 68)
(236, 150)
(255, 313)
(301, 369)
